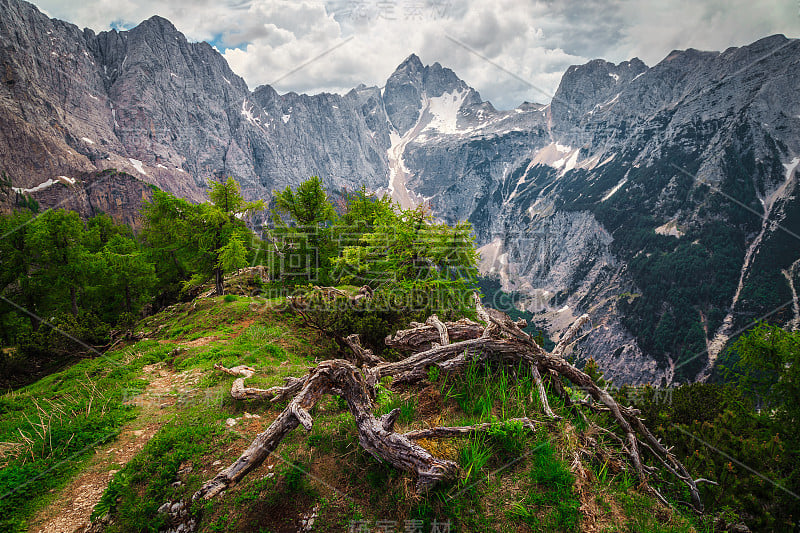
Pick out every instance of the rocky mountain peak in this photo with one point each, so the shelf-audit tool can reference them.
(412, 83)
(403, 94)
(410, 64)
(158, 22)
(585, 86)
(439, 80)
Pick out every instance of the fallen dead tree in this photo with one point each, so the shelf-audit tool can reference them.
(450, 346)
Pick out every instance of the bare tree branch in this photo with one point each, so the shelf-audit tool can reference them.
(501, 340)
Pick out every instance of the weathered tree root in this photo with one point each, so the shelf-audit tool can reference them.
(275, 394)
(421, 337)
(501, 340)
(465, 431)
(376, 435)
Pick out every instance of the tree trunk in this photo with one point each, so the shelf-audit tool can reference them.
(178, 267)
(127, 298)
(219, 281)
(376, 435)
(73, 298)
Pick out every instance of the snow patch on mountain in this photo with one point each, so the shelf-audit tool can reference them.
(444, 111)
(553, 155)
(42, 186)
(790, 167)
(138, 165)
(398, 173)
(616, 187)
(247, 113)
(572, 161)
(494, 260)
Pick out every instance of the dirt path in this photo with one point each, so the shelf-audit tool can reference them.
(71, 508)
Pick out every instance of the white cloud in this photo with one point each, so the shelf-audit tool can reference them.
(507, 35)
(659, 27)
(268, 40)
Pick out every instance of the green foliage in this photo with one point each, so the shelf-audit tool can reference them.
(555, 492)
(302, 238)
(405, 247)
(57, 246)
(684, 283)
(388, 401)
(381, 315)
(136, 491)
(165, 232)
(196, 242)
(233, 255)
(373, 242)
(296, 477)
(227, 197)
(5, 182)
(55, 265)
(26, 201)
(485, 393)
(473, 458)
(715, 430)
(414, 266)
(592, 369)
(66, 283)
(509, 436)
(307, 206)
(130, 276)
(769, 365)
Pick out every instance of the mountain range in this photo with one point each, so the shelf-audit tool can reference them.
(660, 200)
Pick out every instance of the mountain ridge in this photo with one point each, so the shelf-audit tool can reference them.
(575, 203)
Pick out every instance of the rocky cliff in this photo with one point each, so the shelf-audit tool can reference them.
(661, 200)
(168, 111)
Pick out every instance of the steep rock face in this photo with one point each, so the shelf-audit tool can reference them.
(116, 194)
(584, 87)
(661, 200)
(44, 75)
(172, 106)
(690, 166)
(403, 94)
(168, 111)
(688, 170)
(294, 136)
(408, 88)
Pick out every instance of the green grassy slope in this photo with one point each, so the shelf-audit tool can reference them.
(511, 480)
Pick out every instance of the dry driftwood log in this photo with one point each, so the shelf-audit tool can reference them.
(448, 346)
(421, 337)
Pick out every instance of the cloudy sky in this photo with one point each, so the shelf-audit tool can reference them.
(509, 50)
